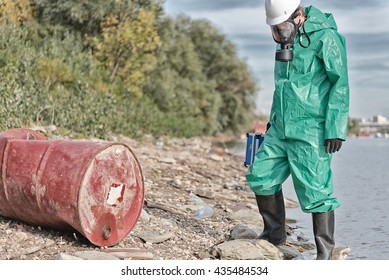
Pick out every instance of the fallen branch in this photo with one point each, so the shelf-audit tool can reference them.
(129, 253)
(32, 250)
(164, 207)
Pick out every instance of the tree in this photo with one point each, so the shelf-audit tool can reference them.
(200, 75)
(127, 48)
(178, 83)
(85, 16)
(15, 11)
(234, 81)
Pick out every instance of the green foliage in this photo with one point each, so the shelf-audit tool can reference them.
(86, 16)
(126, 48)
(98, 67)
(178, 84)
(232, 78)
(199, 73)
(16, 12)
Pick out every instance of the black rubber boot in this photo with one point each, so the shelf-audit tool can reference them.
(272, 209)
(323, 230)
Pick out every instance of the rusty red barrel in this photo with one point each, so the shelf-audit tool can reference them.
(96, 188)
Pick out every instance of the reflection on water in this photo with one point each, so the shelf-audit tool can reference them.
(361, 184)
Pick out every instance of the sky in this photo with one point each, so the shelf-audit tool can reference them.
(364, 24)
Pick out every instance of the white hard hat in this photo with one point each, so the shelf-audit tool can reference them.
(278, 11)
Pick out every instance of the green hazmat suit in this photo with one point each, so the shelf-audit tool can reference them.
(310, 104)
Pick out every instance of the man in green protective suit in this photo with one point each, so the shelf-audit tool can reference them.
(308, 121)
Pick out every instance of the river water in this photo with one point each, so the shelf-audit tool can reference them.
(361, 184)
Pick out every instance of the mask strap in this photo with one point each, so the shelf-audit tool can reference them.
(301, 39)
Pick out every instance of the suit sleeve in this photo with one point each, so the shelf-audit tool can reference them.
(335, 62)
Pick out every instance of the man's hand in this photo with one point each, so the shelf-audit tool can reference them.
(333, 145)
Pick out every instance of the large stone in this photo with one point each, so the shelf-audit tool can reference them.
(289, 252)
(247, 250)
(154, 238)
(242, 232)
(340, 253)
(248, 216)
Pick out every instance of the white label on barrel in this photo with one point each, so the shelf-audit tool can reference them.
(115, 195)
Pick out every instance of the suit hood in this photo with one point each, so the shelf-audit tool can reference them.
(317, 20)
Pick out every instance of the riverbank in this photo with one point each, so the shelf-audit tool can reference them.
(183, 177)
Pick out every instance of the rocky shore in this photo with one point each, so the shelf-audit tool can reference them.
(197, 206)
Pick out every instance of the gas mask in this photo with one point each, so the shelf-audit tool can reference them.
(284, 34)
